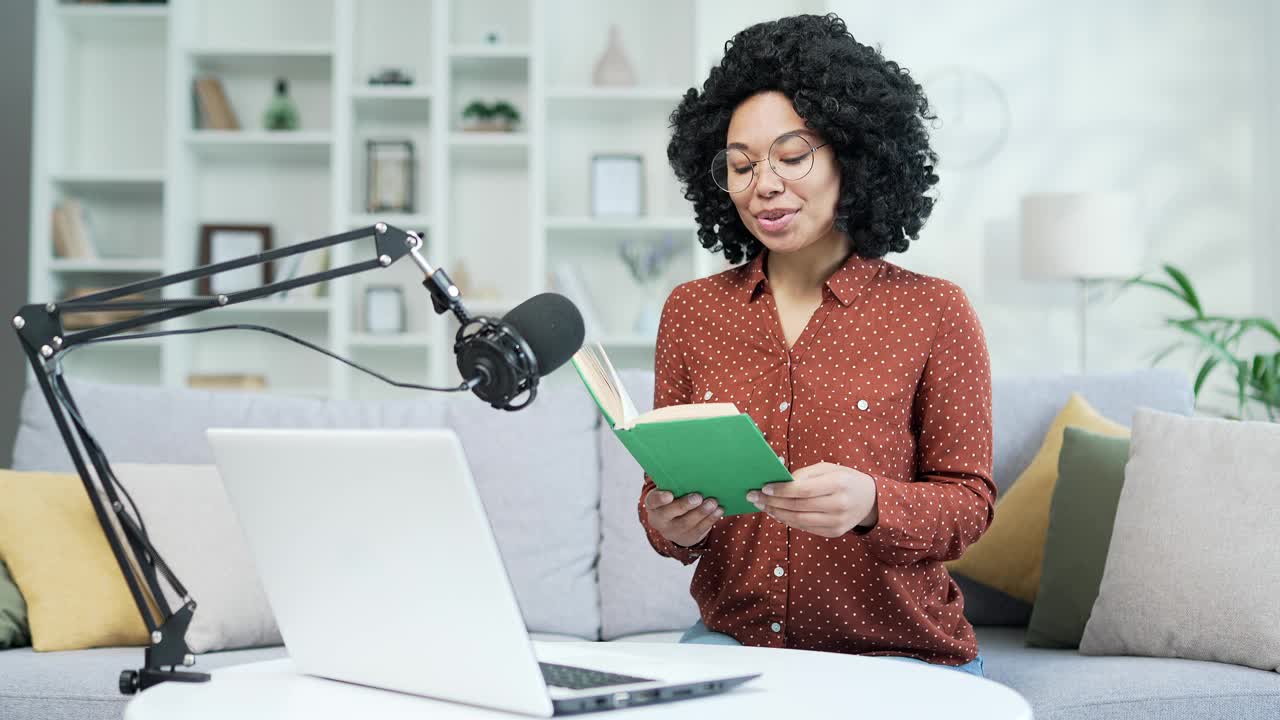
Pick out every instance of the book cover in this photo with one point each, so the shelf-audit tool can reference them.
(720, 455)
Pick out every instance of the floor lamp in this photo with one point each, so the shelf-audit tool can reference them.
(1085, 237)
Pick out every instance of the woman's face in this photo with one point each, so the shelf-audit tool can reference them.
(785, 215)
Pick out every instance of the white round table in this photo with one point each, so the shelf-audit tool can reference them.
(794, 684)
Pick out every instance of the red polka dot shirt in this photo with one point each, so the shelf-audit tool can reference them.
(891, 377)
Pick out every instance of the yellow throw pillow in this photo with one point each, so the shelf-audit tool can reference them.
(59, 558)
(1008, 555)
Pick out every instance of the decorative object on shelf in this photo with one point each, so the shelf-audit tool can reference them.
(227, 381)
(566, 280)
(499, 116)
(461, 278)
(492, 37)
(72, 234)
(80, 321)
(613, 69)
(219, 243)
(1081, 236)
(648, 262)
(384, 309)
(391, 76)
(213, 110)
(617, 185)
(281, 112)
(390, 174)
(1218, 337)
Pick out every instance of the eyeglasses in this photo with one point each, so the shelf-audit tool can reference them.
(790, 156)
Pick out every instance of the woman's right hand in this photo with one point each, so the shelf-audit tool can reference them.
(685, 520)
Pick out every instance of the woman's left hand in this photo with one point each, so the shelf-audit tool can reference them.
(825, 499)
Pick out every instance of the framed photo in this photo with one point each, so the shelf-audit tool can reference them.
(390, 175)
(220, 243)
(617, 185)
(384, 309)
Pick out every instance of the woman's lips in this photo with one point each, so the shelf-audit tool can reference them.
(778, 224)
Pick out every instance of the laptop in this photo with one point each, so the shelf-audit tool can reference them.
(382, 570)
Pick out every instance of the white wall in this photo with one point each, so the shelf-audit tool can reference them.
(1164, 99)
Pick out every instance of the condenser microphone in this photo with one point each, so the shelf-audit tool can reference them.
(505, 358)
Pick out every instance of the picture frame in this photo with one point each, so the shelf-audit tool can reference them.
(384, 311)
(220, 243)
(390, 175)
(617, 185)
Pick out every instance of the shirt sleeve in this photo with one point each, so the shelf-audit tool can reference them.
(951, 501)
(671, 386)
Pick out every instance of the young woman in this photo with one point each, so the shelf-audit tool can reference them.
(806, 153)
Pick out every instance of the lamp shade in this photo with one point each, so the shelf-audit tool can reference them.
(1080, 235)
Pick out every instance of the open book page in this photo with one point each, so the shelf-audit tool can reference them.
(602, 380)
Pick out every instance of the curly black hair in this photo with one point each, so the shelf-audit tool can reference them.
(867, 107)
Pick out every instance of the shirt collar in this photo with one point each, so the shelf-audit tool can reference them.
(845, 283)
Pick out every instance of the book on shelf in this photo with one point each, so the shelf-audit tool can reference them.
(227, 381)
(84, 320)
(301, 265)
(72, 235)
(214, 111)
(709, 448)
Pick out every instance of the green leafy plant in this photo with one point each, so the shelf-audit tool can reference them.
(478, 110)
(1216, 339)
(504, 110)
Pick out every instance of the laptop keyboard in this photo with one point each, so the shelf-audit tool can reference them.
(576, 678)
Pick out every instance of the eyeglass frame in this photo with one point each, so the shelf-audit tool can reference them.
(768, 156)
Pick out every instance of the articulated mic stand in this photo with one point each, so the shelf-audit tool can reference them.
(41, 333)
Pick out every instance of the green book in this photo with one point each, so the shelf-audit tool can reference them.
(708, 448)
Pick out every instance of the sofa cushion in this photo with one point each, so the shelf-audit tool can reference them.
(1189, 572)
(542, 498)
(1065, 685)
(537, 474)
(146, 424)
(640, 591)
(84, 684)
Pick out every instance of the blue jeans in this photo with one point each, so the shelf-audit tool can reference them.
(700, 634)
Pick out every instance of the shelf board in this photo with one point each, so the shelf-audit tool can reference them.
(138, 266)
(401, 340)
(109, 177)
(588, 93)
(400, 220)
(115, 23)
(368, 93)
(261, 142)
(254, 54)
(488, 139)
(481, 51)
(608, 224)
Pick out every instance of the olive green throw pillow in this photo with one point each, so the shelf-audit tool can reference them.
(1081, 516)
(14, 631)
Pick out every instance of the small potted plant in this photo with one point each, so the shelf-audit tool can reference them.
(500, 116)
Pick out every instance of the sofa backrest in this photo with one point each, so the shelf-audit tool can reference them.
(537, 470)
(641, 591)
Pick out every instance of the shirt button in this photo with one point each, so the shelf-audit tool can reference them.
(782, 460)
(707, 396)
(776, 627)
(778, 571)
(783, 407)
(862, 405)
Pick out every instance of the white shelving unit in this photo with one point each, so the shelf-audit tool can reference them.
(115, 129)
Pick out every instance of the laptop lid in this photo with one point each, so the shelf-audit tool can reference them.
(379, 562)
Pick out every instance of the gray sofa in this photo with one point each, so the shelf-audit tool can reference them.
(561, 494)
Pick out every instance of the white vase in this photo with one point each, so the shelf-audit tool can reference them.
(613, 68)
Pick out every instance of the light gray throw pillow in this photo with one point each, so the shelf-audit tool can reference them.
(1191, 572)
(191, 523)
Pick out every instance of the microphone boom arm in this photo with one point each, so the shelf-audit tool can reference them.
(44, 339)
